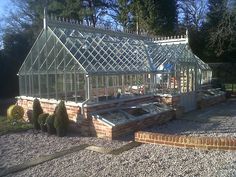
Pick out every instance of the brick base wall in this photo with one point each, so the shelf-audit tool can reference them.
(141, 124)
(90, 126)
(95, 127)
(204, 103)
(222, 143)
(48, 106)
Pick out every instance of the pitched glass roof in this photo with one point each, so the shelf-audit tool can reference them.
(67, 47)
(99, 51)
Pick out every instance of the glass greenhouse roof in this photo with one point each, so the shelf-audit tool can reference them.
(100, 52)
(68, 47)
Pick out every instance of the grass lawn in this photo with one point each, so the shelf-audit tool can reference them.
(7, 126)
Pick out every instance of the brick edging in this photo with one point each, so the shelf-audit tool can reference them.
(220, 143)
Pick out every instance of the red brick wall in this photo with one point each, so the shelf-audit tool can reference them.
(140, 124)
(95, 127)
(225, 143)
(90, 126)
(48, 107)
(204, 103)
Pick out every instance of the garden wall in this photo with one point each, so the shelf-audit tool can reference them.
(220, 143)
(98, 128)
(48, 106)
(207, 102)
(90, 126)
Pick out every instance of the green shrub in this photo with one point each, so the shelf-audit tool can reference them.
(55, 109)
(30, 115)
(42, 120)
(15, 112)
(50, 124)
(61, 121)
(37, 110)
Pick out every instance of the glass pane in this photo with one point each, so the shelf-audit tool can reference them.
(43, 85)
(35, 87)
(80, 86)
(60, 86)
(22, 85)
(70, 89)
(52, 85)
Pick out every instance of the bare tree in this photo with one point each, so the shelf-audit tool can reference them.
(192, 13)
(223, 39)
(95, 10)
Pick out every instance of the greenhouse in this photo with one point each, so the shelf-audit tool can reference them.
(77, 63)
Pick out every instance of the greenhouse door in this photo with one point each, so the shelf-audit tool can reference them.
(188, 85)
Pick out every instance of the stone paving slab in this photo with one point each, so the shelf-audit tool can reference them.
(125, 148)
(99, 149)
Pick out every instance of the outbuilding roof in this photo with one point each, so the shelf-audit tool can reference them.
(67, 47)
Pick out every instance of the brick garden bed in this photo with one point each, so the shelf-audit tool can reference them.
(90, 126)
(222, 143)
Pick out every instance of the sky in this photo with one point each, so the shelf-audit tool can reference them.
(5, 5)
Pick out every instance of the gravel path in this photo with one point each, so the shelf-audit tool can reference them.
(145, 160)
(18, 147)
(218, 121)
(186, 127)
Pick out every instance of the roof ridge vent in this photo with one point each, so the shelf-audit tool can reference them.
(63, 20)
(160, 38)
(172, 39)
(143, 33)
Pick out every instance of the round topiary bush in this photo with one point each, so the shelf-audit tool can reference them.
(15, 112)
(61, 121)
(37, 110)
(50, 124)
(42, 121)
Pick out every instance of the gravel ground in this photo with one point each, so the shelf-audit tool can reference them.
(145, 160)
(18, 147)
(186, 127)
(218, 121)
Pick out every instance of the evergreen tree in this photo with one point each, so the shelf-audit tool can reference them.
(152, 16)
(168, 16)
(61, 121)
(123, 13)
(37, 110)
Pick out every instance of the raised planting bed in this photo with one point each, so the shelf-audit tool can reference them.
(135, 111)
(116, 122)
(209, 97)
